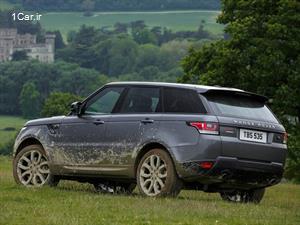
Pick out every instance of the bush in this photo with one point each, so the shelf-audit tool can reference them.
(292, 170)
(9, 129)
(30, 100)
(58, 103)
(7, 148)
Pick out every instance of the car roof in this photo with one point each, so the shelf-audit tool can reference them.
(199, 88)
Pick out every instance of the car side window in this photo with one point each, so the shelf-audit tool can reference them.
(141, 100)
(182, 101)
(105, 101)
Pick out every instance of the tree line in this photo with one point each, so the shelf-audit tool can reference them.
(116, 5)
(25, 85)
(92, 57)
(133, 50)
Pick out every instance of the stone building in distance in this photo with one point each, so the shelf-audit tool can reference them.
(11, 41)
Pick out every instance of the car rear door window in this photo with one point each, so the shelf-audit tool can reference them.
(182, 101)
(141, 100)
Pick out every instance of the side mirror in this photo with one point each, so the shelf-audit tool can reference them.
(76, 108)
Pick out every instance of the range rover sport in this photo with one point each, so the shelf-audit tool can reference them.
(161, 137)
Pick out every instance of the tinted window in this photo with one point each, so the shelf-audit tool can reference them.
(141, 100)
(104, 101)
(238, 105)
(182, 101)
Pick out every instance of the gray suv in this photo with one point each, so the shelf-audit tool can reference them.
(161, 137)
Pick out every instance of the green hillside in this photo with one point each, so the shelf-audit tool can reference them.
(175, 20)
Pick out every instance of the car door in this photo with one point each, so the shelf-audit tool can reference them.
(134, 122)
(82, 144)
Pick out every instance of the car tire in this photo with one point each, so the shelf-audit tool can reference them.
(249, 196)
(31, 168)
(156, 175)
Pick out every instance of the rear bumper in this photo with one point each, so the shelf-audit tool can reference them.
(245, 165)
(229, 172)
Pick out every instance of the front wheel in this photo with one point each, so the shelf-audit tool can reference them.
(31, 168)
(242, 196)
(156, 175)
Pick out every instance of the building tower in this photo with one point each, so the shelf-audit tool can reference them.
(50, 40)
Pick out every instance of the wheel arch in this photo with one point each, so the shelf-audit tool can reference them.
(26, 142)
(146, 148)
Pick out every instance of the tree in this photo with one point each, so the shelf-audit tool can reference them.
(59, 76)
(88, 6)
(138, 25)
(148, 55)
(19, 55)
(201, 33)
(59, 41)
(121, 27)
(86, 36)
(143, 36)
(71, 36)
(116, 55)
(58, 103)
(149, 72)
(78, 81)
(260, 55)
(172, 53)
(30, 100)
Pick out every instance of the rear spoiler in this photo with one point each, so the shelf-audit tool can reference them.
(260, 98)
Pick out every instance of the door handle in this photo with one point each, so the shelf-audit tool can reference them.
(147, 121)
(98, 122)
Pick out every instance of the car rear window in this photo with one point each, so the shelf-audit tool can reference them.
(182, 101)
(141, 100)
(240, 106)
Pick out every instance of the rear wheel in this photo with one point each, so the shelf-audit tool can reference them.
(31, 168)
(242, 196)
(156, 175)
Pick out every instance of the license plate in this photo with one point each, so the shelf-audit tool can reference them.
(252, 135)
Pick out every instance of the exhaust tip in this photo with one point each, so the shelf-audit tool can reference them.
(226, 174)
(273, 181)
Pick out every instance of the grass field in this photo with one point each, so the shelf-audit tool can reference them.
(74, 204)
(7, 122)
(175, 20)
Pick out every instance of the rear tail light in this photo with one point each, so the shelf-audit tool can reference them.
(206, 165)
(206, 127)
(285, 137)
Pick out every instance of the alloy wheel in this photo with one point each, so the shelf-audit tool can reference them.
(33, 169)
(153, 174)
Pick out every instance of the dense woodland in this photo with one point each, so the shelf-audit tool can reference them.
(90, 58)
(116, 5)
